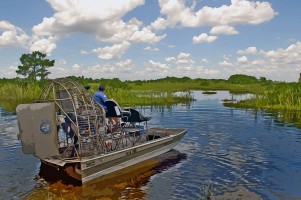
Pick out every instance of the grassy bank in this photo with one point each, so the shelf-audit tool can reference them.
(277, 96)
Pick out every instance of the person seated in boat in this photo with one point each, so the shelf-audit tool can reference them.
(100, 96)
(70, 129)
(114, 124)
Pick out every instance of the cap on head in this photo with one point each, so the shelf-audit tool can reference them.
(101, 88)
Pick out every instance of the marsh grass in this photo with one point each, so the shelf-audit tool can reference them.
(278, 96)
(137, 97)
(254, 88)
(13, 94)
(17, 92)
(267, 94)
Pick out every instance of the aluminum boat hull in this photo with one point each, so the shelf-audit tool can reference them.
(87, 169)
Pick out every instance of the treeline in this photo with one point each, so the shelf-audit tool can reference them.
(113, 83)
(117, 83)
(234, 79)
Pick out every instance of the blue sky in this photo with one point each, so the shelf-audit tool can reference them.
(139, 39)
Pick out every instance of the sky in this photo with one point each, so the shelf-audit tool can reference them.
(152, 39)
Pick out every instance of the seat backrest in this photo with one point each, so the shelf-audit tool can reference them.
(136, 116)
(66, 125)
(113, 109)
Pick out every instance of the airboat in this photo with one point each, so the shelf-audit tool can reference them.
(76, 139)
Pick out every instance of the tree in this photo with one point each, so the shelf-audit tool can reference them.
(242, 79)
(34, 65)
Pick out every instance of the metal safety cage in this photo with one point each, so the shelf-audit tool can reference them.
(81, 122)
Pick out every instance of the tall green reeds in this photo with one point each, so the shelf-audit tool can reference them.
(127, 97)
(13, 94)
(17, 92)
(277, 96)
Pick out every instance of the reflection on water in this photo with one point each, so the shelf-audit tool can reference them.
(241, 153)
(283, 117)
(221, 96)
(127, 183)
(16, 169)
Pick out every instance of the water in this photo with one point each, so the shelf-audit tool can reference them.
(233, 153)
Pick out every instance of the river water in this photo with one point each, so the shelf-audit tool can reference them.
(227, 153)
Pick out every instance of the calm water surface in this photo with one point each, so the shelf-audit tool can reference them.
(231, 152)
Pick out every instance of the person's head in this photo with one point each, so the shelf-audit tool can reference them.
(101, 88)
(87, 87)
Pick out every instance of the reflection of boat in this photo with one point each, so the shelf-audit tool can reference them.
(127, 183)
(71, 133)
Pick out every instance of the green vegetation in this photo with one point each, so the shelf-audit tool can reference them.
(167, 91)
(206, 192)
(242, 79)
(16, 91)
(276, 96)
(173, 84)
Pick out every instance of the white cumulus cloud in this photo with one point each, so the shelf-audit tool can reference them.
(249, 50)
(181, 59)
(157, 67)
(12, 36)
(44, 45)
(100, 70)
(226, 63)
(125, 66)
(114, 51)
(204, 60)
(8, 72)
(151, 48)
(238, 12)
(227, 30)
(102, 19)
(203, 38)
(272, 64)
(242, 59)
(76, 67)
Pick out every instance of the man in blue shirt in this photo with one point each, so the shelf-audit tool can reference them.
(100, 97)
